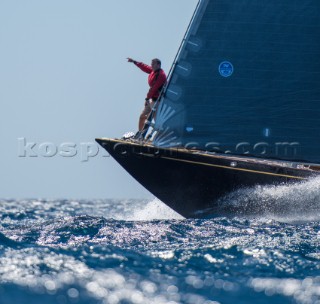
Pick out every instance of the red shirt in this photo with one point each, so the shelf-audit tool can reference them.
(156, 80)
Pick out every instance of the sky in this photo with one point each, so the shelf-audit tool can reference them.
(64, 81)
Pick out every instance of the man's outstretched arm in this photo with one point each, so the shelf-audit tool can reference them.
(144, 67)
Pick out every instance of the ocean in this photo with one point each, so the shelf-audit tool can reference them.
(140, 251)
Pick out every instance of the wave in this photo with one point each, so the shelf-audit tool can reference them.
(153, 210)
(285, 202)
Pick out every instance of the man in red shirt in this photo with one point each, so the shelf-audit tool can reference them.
(157, 79)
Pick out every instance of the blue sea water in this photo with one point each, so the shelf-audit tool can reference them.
(135, 251)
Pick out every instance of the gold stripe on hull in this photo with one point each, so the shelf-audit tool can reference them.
(237, 169)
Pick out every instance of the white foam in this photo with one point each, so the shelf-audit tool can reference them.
(154, 210)
(286, 202)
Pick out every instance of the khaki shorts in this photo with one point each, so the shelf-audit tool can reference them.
(147, 108)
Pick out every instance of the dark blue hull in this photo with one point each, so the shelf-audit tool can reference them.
(192, 182)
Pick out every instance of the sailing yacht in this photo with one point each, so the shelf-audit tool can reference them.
(241, 106)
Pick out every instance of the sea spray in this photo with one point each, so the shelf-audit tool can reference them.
(287, 202)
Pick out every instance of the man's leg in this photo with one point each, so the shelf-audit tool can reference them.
(144, 115)
(142, 121)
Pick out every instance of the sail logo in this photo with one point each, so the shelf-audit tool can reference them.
(226, 69)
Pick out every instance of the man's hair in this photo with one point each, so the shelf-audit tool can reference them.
(158, 61)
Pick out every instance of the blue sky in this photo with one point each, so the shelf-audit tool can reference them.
(64, 79)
